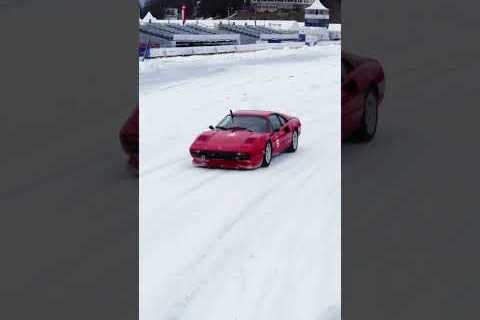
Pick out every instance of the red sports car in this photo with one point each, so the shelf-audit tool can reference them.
(246, 140)
(129, 139)
(363, 89)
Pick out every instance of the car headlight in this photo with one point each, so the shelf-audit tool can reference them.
(203, 138)
(242, 156)
(195, 153)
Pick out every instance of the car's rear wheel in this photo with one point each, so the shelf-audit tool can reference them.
(368, 126)
(267, 155)
(294, 145)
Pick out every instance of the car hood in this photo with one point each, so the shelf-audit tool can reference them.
(227, 140)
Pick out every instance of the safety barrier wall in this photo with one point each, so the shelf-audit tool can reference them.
(278, 36)
(206, 37)
(187, 51)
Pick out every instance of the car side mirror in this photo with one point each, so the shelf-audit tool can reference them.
(211, 127)
(286, 129)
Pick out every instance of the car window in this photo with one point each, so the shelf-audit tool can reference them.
(257, 124)
(275, 122)
(282, 120)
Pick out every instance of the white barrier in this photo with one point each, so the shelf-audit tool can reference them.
(267, 36)
(206, 37)
(188, 51)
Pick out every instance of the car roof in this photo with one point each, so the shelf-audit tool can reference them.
(355, 59)
(257, 113)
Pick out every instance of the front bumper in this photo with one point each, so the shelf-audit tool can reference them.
(225, 164)
(253, 162)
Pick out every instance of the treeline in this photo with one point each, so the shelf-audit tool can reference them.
(195, 8)
(219, 8)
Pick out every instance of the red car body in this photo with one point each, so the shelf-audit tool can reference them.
(129, 139)
(360, 77)
(243, 149)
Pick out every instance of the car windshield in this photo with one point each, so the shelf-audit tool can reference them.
(241, 122)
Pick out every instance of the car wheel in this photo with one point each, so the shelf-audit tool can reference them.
(294, 145)
(368, 126)
(267, 155)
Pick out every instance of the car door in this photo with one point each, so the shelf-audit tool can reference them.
(352, 99)
(277, 134)
(286, 134)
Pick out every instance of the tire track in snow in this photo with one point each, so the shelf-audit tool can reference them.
(183, 304)
(164, 165)
(286, 164)
(257, 201)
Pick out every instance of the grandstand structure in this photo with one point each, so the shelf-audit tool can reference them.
(253, 34)
(155, 34)
(176, 35)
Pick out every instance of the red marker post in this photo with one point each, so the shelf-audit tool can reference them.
(184, 16)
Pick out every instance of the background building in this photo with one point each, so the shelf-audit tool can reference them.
(317, 15)
(276, 5)
(171, 14)
(292, 9)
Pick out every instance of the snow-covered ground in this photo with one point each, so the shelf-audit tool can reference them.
(246, 245)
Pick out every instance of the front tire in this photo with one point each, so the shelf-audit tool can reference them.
(368, 126)
(294, 145)
(267, 155)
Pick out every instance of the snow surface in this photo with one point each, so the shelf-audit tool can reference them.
(246, 245)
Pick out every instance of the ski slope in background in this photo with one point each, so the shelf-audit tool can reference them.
(262, 244)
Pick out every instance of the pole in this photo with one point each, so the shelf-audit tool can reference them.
(184, 16)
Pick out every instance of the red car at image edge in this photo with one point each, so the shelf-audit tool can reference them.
(246, 140)
(129, 139)
(363, 90)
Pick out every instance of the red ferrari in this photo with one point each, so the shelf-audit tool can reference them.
(363, 89)
(129, 139)
(246, 140)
